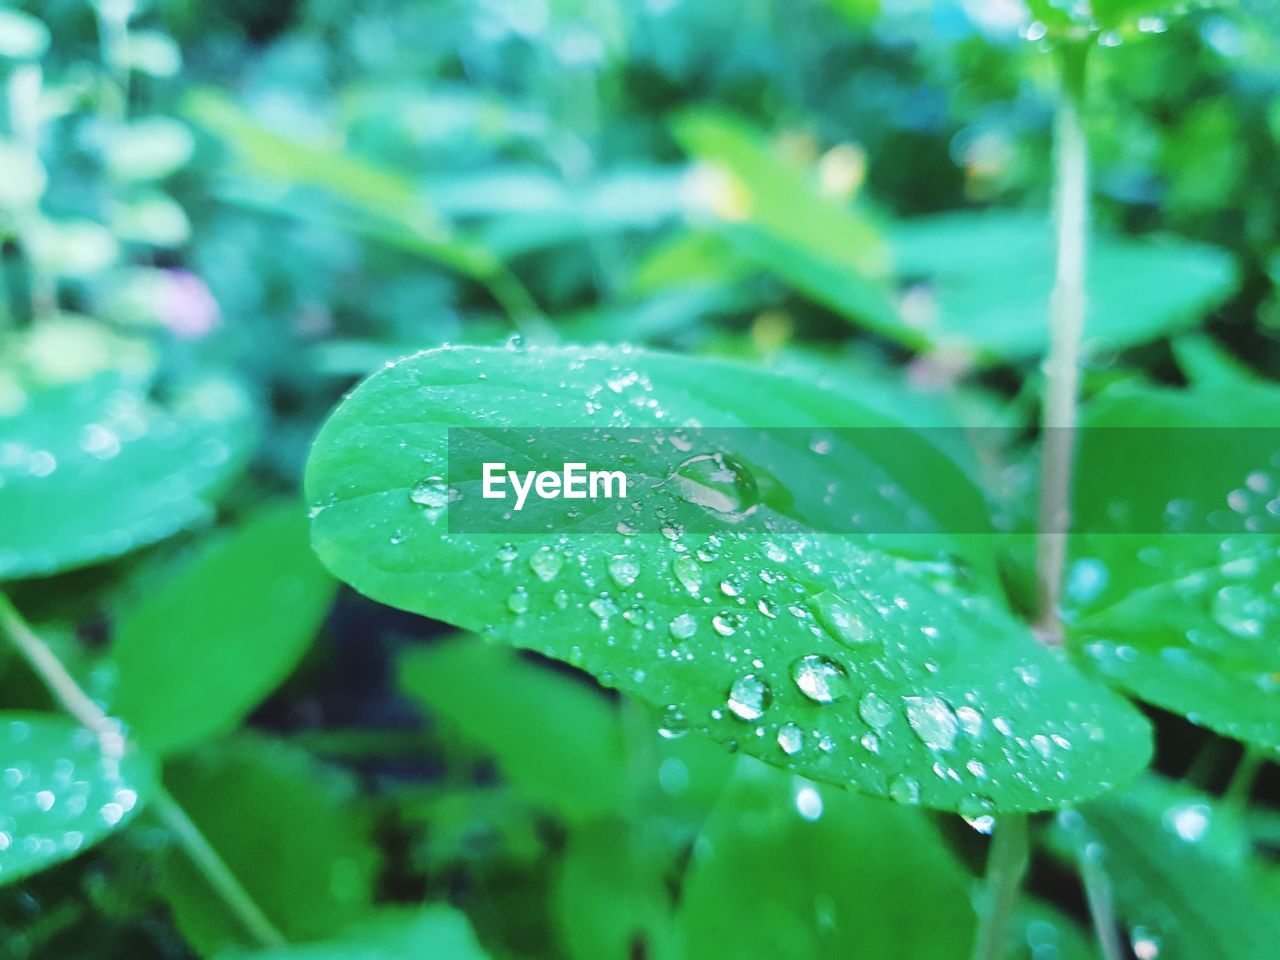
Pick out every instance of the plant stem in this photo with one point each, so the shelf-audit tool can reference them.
(518, 304)
(1097, 890)
(1006, 866)
(1066, 326)
(72, 698)
(1236, 796)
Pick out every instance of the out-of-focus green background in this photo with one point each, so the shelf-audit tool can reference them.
(217, 217)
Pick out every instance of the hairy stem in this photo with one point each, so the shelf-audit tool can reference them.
(72, 698)
(1006, 866)
(1066, 326)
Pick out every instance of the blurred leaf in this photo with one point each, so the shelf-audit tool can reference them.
(432, 933)
(745, 636)
(92, 470)
(1180, 881)
(555, 738)
(772, 213)
(1043, 932)
(1205, 362)
(22, 36)
(149, 149)
(289, 829)
(205, 645)
(22, 175)
(152, 218)
(63, 790)
(610, 897)
(1115, 14)
(790, 869)
(1184, 620)
(399, 211)
(984, 282)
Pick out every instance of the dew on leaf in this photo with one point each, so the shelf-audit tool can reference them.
(904, 789)
(623, 570)
(875, 710)
(683, 626)
(545, 563)
(790, 739)
(933, 721)
(843, 620)
(749, 697)
(820, 678)
(716, 482)
(689, 572)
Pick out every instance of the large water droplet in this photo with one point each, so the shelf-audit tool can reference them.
(545, 563)
(623, 570)
(820, 678)
(683, 626)
(844, 620)
(749, 697)
(674, 723)
(689, 572)
(432, 493)
(716, 482)
(518, 602)
(933, 721)
(875, 710)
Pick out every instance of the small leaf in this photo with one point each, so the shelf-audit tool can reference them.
(22, 36)
(791, 869)
(1181, 882)
(436, 932)
(556, 739)
(256, 801)
(204, 646)
(1185, 620)
(980, 281)
(773, 214)
(63, 790)
(92, 470)
(808, 650)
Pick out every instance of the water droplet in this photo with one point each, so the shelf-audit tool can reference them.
(431, 493)
(689, 572)
(507, 552)
(809, 802)
(724, 624)
(933, 721)
(875, 710)
(1238, 609)
(604, 608)
(843, 620)
(674, 723)
(518, 602)
(716, 482)
(904, 789)
(545, 563)
(623, 570)
(749, 697)
(790, 739)
(683, 627)
(820, 678)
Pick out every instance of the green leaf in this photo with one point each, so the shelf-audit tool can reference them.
(791, 869)
(92, 470)
(1126, 15)
(379, 202)
(436, 932)
(205, 645)
(812, 651)
(1180, 879)
(1183, 620)
(22, 36)
(289, 829)
(772, 213)
(64, 790)
(149, 149)
(985, 280)
(555, 738)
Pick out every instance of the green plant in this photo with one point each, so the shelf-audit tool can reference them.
(844, 603)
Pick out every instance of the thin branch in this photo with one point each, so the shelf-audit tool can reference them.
(1066, 327)
(1097, 891)
(72, 698)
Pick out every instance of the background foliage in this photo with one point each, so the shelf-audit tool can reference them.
(218, 218)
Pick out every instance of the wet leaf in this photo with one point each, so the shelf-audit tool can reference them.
(205, 645)
(1185, 620)
(92, 470)
(816, 652)
(980, 282)
(63, 790)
